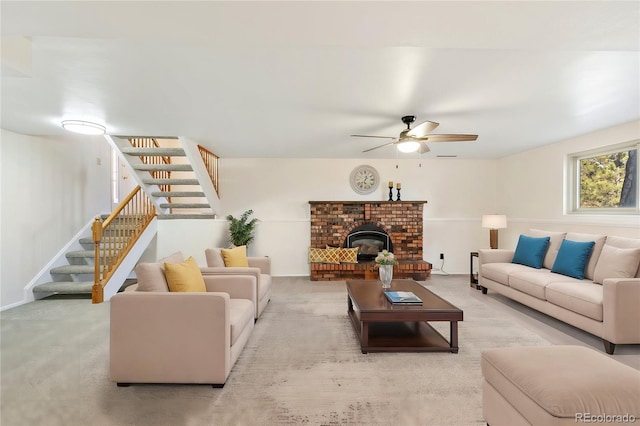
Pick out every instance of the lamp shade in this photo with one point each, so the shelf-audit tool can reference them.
(494, 221)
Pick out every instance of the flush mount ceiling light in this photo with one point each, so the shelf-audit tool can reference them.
(408, 146)
(84, 127)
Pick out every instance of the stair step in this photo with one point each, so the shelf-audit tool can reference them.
(65, 287)
(72, 270)
(171, 181)
(185, 205)
(150, 152)
(187, 216)
(177, 194)
(81, 254)
(163, 167)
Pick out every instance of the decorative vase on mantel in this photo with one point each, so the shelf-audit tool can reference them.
(386, 275)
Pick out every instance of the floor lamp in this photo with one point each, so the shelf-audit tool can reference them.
(494, 222)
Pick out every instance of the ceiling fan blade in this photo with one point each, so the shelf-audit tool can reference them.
(422, 130)
(449, 138)
(369, 136)
(379, 146)
(423, 148)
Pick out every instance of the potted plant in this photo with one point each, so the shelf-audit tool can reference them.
(241, 229)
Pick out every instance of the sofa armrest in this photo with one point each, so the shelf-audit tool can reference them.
(263, 263)
(238, 286)
(163, 337)
(621, 315)
(494, 256)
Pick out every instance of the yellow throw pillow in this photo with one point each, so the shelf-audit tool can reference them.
(316, 255)
(332, 255)
(235, 257)
(185, 276)
(349, 255)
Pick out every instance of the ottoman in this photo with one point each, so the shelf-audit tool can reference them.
(557, 385)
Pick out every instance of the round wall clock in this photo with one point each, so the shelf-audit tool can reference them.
(364, 179)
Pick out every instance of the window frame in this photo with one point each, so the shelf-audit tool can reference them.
(573, 180)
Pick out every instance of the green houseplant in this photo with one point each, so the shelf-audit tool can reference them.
(241, 229)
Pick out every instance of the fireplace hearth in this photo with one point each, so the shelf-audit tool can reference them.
(374, 226)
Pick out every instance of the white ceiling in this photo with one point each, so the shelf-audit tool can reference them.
(295, 79)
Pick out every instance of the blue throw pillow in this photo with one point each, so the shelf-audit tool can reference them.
(572, 258)
(530, 251)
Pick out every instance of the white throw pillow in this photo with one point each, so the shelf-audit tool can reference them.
(616, 262)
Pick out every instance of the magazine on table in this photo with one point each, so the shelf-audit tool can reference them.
(403, 298)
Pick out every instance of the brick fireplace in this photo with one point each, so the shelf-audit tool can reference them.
(332, 221)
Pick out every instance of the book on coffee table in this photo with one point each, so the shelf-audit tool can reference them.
(403, 298)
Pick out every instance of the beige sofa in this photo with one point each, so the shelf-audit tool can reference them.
(259, 268)
(159, 336)
(606, 303)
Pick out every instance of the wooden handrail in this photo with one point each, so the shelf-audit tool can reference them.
(114, 238)
(211, 163)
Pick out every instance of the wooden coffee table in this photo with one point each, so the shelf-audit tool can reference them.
(384, 327)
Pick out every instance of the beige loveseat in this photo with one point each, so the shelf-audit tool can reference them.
(259, 268)
(606, 303)
(159, 336)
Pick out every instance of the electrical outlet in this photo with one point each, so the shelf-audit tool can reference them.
(442, 256)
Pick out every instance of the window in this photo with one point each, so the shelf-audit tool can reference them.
(605, 181)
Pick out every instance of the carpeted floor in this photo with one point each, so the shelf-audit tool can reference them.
(302, 365)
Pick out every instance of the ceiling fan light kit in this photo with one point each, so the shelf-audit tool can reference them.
(413, 139)
(408, 146)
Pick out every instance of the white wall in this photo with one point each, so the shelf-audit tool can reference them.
(50, 188)
(532, 188)
(527, 187)
(63, 188)
(458, 192)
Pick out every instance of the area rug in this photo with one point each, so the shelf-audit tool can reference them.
(301, 366)
(304, 366)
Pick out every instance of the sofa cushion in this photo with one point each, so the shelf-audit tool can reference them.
(572, 258)
(530, 251)
(184, 276)
(584, 298)
(562, 380)
(241, 312)
(235, 257)
(555, 239)
(616, 262)
(533, 282)
(622, 242)
(500, 272)
(214, 257)
(595, 252)
(151, 276)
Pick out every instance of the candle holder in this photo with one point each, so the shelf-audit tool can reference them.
(398, 199)
(391, 193)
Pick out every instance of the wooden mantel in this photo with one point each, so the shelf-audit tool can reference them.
(367, 202)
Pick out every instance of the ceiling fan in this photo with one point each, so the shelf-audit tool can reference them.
(411, 140)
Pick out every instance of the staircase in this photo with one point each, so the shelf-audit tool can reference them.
(173, 191)
(171, 183)
(77, 276)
